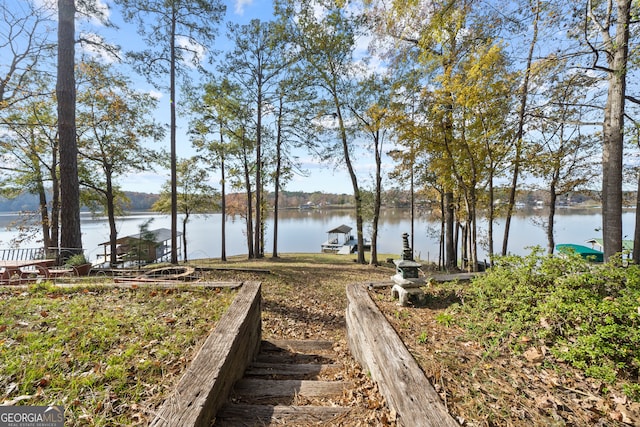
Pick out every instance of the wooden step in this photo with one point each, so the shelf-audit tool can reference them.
(284, 373)
(301, 371)
(296, 352)
(235, 415)
(255, 388)
(297, 346)
(293, 358)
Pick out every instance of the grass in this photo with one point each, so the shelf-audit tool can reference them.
(108, 355)
(111, 355)
(536, 341)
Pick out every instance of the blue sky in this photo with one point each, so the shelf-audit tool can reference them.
(320, 177)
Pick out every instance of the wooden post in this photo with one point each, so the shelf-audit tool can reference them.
(221, 361)
(381, 352)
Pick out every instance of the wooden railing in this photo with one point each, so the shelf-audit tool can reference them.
(22, 254)
(26, 254)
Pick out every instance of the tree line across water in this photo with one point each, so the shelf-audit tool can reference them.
(138, 201)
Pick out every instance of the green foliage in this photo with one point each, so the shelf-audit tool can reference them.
(587, 314)
(92, 348)
(445, 319)
(75, 260)
(194, 194)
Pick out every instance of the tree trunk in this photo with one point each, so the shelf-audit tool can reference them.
(223, 207)
(276, 189)
(44, 212)
(184, 237)
(449, 250)
(413, 202)
(250, 253)
(247, 183)
(464, 246)
(551, 217)
(612, 129)
(173, 154)
(55, 203)
(443, 232)
(636, 233)
(354, 182)
(378, 201)
(111, 216)
(492, 213)
(612, 157)
(71, 237)
(258, 250)
(524, 94)
(473, 230)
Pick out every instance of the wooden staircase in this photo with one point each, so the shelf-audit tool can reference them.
(297, 383)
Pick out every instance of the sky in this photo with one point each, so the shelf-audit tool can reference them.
(318, 177)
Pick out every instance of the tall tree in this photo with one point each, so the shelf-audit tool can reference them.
(243, 139)
(372, 110)
(479, 90)
(215, 111)
(482, 92)
(325, 34)
(606, 32)
(177, 34)
(227, 107)
(113, 122)
(195, 195)
(536, 6)
(293, 128)
(436, 34)
(29, 155)
(70, 233)
(406, 118)
(257, 60)
(564, 155)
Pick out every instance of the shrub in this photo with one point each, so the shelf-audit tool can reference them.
(75, 260)
(587, 314)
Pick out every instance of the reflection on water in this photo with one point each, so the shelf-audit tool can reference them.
(304, 231)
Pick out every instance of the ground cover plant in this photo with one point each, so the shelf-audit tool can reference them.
(109, 355)
(538, 340)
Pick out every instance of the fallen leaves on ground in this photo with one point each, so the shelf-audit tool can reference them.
(482, 389)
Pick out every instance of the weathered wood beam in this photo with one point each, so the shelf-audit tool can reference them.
(381, 352)
(221, 361)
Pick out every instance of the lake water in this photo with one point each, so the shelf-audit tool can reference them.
(305, 231)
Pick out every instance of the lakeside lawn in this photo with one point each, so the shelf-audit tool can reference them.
(108, 355)
(538, 342)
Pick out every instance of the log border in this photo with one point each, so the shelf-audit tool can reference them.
(219, 363)
(378, 348)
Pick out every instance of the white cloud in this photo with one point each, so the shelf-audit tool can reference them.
(98, 47)
(155, 94)
(240, 5)
(193, 52)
